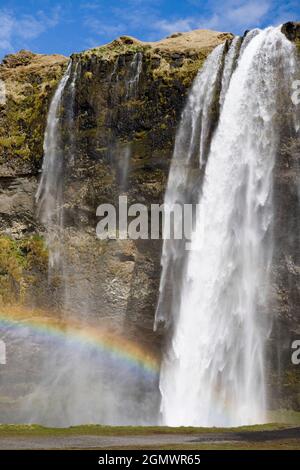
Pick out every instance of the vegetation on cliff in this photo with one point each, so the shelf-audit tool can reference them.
(30, 80)
(21, 262)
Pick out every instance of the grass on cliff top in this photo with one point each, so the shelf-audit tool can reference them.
(113, 49)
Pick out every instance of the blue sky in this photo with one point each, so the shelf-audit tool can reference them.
(54, 26)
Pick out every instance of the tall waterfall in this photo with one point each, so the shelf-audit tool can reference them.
(50, 191)
(185, 170)
(213, 370)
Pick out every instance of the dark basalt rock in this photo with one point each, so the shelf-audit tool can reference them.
(291, 30)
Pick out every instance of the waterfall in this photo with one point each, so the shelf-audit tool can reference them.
(50, 190)
(124, 152)
(114, 74)
(230, 62)
(71, 112)
(213, 370)
(135, 70)
(187, 161)
(124, 159)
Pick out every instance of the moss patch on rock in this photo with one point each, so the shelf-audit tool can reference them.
(20, 262)
(30, 80)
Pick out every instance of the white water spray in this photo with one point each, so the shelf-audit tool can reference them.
(213, 372)
(187, 159)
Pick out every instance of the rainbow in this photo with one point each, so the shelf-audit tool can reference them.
(109, 343)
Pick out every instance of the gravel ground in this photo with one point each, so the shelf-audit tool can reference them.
(155, 440)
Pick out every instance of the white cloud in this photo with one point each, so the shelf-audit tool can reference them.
(231, 15)
(184, 24)
(7, 24)
(248, 14)
(289, 11)
(144, 18)
(16, 28)
(103, 28)
(137, 15)
(89, 6)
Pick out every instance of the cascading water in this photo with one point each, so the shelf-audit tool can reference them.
(124, 152)
(124, 156)
(230, 63)
(135, 70)
(213, 369)
(70, 116)
(184, 174)
(50, 191)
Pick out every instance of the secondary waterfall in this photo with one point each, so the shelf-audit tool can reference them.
(77, 381)
(214, 298)
(50, 191)
(135, 70)
(124, 151)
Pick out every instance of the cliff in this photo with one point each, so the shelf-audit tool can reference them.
(110, 122)
(123, 138)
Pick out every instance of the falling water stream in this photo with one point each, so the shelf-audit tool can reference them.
(49, 196)
(135, 70)
(184, 175)
(213, 370)
(124, 151)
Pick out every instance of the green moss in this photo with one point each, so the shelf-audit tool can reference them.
(98, 430)
(189, 70)
(17, 259)
(36, 252)
(12, 263)
(285, 416)
(184, 73)
(23, 123)
(88, 75)
(23, 153)
(111, 51)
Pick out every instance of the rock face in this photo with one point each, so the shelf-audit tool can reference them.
(128, 101)
(291, 30)
(124, 127)
(29, 81)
